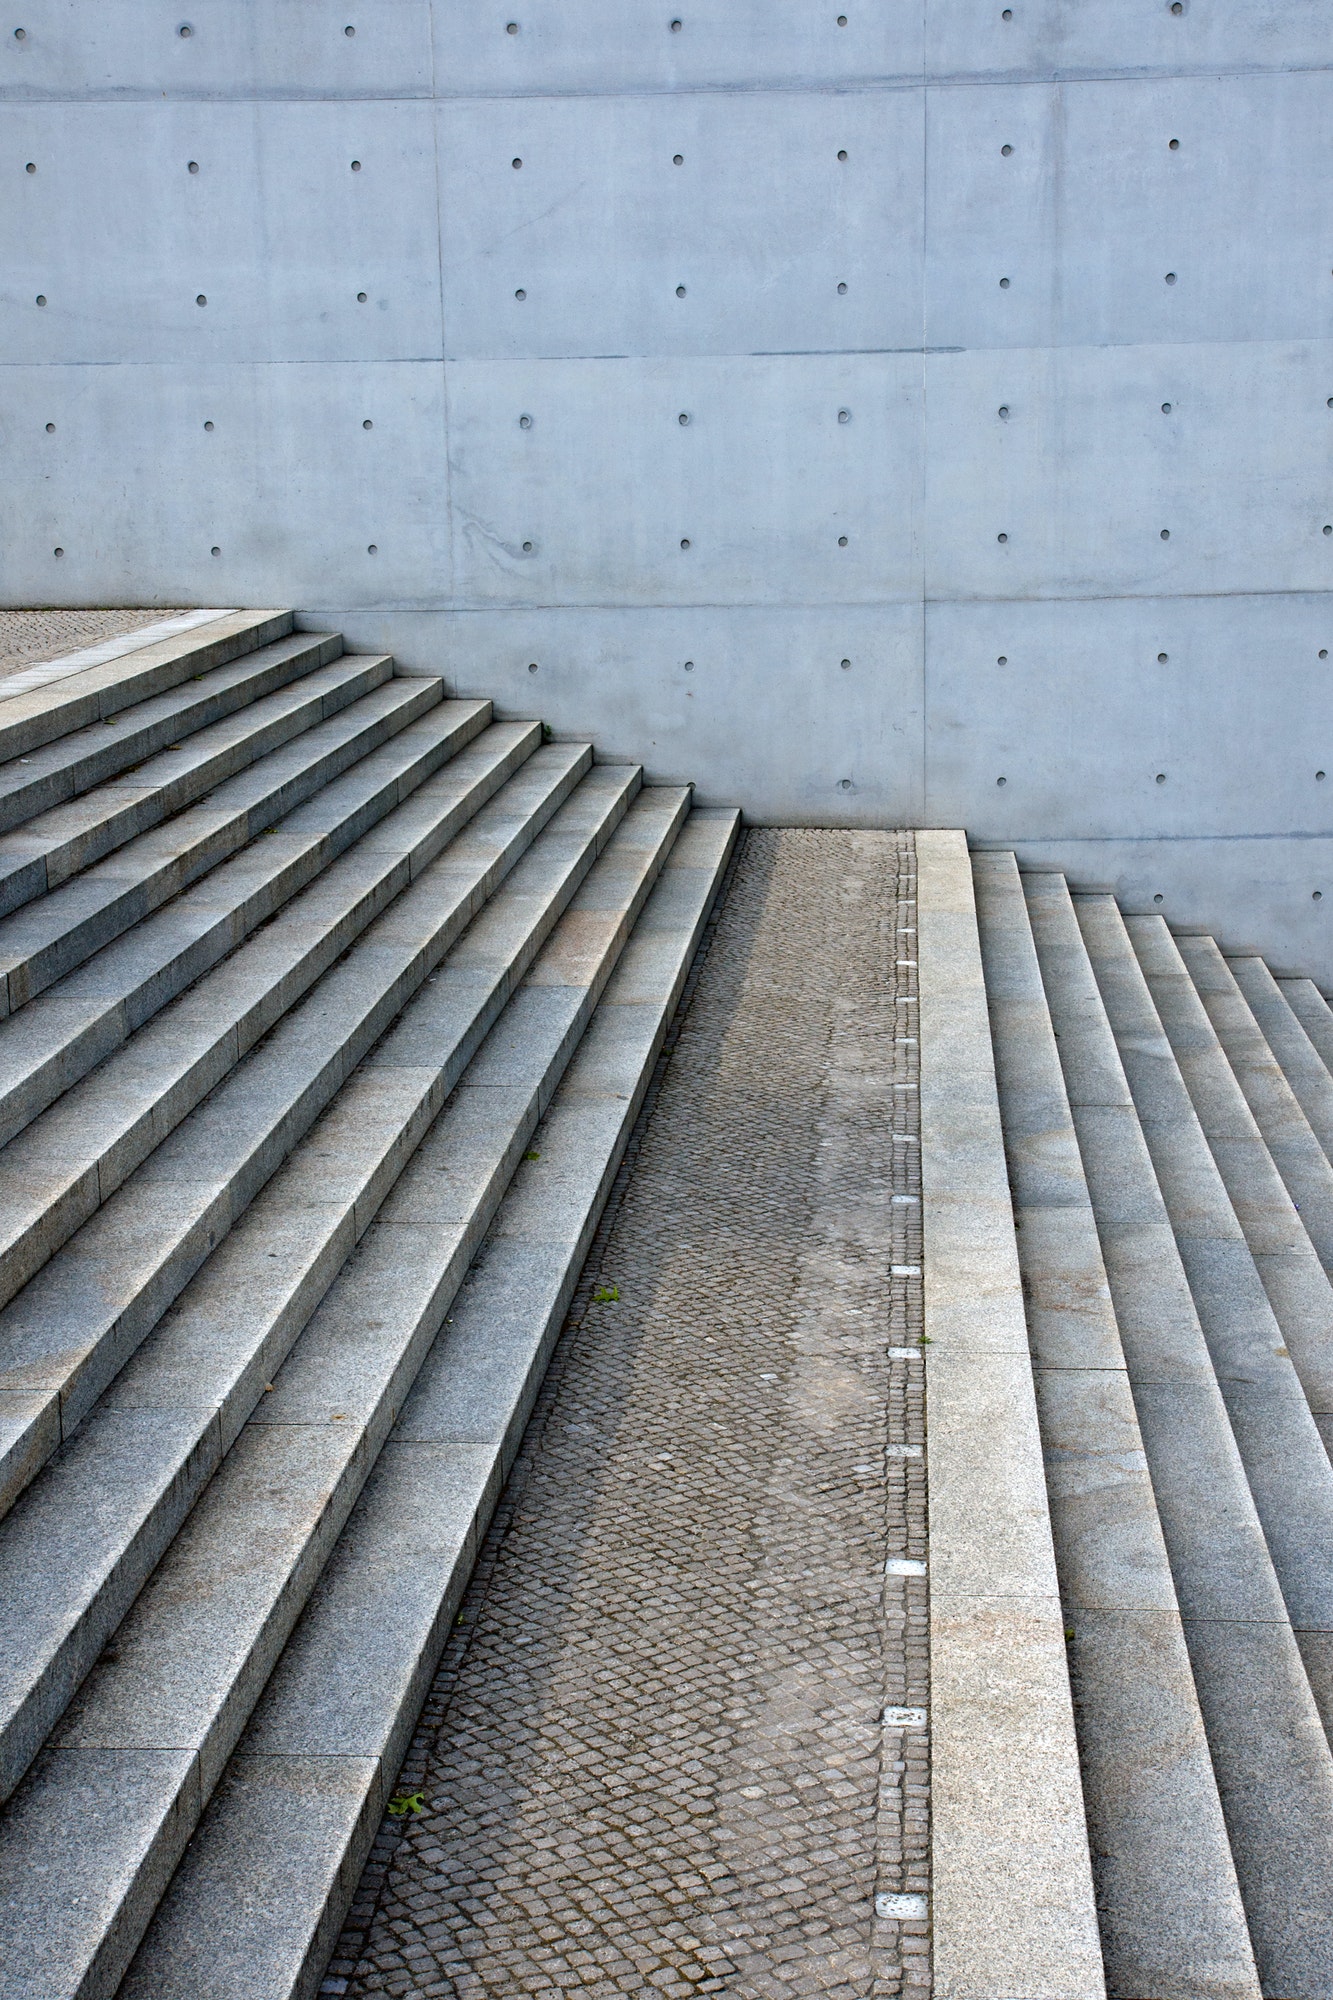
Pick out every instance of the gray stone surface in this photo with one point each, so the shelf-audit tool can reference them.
(1168, 1902)
(1005, 1780)
(49, 710)
(74, 1325)
(360, 1663)
(51, 846)
(1286, 1464)
(204, 1632)
(41, 943)
(1254, 1695)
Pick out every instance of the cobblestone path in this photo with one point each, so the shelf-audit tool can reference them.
(661, 1755)
(28, 637)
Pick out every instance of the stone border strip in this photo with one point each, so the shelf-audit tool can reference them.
(43, 672)
(95, 684)
(1013, 1910)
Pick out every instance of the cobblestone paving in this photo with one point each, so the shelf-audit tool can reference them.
(662, 1753)
(29, 637)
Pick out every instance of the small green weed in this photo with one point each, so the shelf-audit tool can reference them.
(407, 1803)
(606, 1295)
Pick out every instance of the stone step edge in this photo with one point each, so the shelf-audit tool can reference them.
(231, 1653)
(122, 989)
(197, 1445)
(300, 1822)
(1012, 1894)
(42, 853)
(43, 941)
(47, 1413)
(92, 693)
(72, 764)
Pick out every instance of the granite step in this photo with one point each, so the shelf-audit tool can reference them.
(147, 1738)
(74, 1325)
(1154, 1815)
(1313, 1012)
(1285, 1461)
(46, 939)
(1269, 1751)
(72, 764)
(42, 713)
(1301, 1064)
(57, 1171)
(1276, 1177)
(48, 849)
(74, 1025)
(258, 1900)
(81, 1542)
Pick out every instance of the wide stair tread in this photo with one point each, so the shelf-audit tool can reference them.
(55, 845)
(258, 1289)
(304, 1794)
(45, 939)
(201, 1640)
(1153, 1810)
(73, 1326)
(71, 1027)
(72, 764)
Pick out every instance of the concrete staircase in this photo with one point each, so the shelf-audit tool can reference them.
(328, 1006)
(1167, 1116)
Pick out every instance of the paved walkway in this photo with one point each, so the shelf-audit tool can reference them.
(656, 1757)
(27, 637)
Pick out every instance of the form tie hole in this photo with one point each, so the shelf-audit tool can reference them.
(532, 666)
(842, 291)
(1166, 409)
(1003, 660)
(1004, 284)
(208, 423)
(50, 427)
(527, 548)
(361, 298)
(1002, 538)
(367, 424)
(525, 422)
(1162, 659)
(1006, 151)
(677, 159)
(192, 167)
(1174, 145)
(1170, 277)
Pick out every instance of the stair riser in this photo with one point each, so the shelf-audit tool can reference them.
(48, 852)
(274, 1450)
(303, 1787)
(74, 764)
(213, 919)
(329, 1239)
(192, 852)
(1253, 1693)
(188, 1201)
(177, 1062)
(34, 719)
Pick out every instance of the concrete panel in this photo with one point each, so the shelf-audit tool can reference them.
(275, 232)
(601, 45)
(287, 484)
(607, 498)
(1089, 488)
(827, 745)
(291, 48)
(1085, 707)
(1056, 37)
(779, 200)
(1093, 207)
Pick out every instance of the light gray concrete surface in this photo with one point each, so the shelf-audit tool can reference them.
(1007, 1798)
(1065, 277)
(1168, 1903)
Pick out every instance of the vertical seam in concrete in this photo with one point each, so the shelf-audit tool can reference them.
(1014, 1915)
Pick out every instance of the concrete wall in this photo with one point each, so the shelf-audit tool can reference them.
(441, 295)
